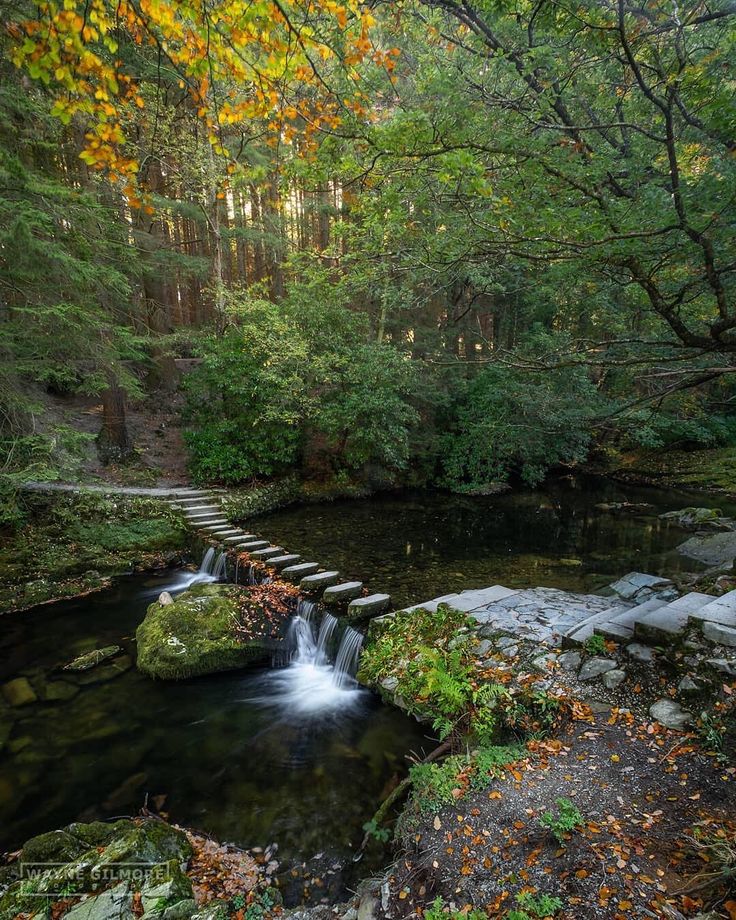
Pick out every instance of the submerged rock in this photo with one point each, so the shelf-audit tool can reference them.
(93, 658)
(697, 518)
(196, 635)
(19, 692)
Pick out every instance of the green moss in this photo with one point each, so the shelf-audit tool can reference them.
(709, 470)
(71, 542)
(196, 635)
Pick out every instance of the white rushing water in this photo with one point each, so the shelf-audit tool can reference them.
(311, 684)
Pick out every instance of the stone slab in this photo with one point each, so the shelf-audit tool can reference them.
(634, 582)
(280, 562)
(295, 573)
(717, 549)
(371, 606)
(717, 610)
(249, 546)
(342, 593)
(313, 584)
(267, 553)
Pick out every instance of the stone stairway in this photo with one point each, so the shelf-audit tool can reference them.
(203, 512)
(640, 607)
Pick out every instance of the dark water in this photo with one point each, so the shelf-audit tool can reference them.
(229, 758)
(423, 545)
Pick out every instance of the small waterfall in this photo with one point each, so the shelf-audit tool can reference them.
(219, 569)
(346, 662)
(307, 682)
(305, 610)
(326, 631)
(205, 566)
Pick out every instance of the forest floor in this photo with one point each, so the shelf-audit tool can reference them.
(654, 809)
(155, 428)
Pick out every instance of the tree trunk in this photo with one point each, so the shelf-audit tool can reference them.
(113, 442)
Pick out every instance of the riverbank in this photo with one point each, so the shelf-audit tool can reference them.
(709, 471)
(72, 543)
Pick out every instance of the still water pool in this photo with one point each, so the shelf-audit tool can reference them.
(423, 545)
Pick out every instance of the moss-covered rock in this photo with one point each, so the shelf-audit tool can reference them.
(85, 858)
(196, 635)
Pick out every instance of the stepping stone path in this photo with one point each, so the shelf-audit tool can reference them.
(642, 607)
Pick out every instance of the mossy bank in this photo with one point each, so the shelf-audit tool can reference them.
(70, 543)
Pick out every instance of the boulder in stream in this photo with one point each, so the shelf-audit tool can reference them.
(197, 635)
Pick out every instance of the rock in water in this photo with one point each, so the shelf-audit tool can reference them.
(93, 658)
(671, 714)
(19, 692)
(196, 635)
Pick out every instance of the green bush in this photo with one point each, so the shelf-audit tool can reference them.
(276, 390)
(509, 420)
(567, 819)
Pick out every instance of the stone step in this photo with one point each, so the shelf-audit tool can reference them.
(467, 600)
(222, 532)
(314, 584)
(670, 620)
(208, 519)
(281, 562)
(621, 625)
(239, 538)
(197, 500)
(267, 552)
(248, 546)
(342, 593)
(295, 573)
(717, 610)
(372, 606)
(583, 630)
(200, 510)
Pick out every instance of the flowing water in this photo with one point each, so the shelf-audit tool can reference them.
(416, 546)
(298, 755)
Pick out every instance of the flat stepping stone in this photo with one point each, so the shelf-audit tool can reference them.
(467, 600)
(371, 606)
(342, 593)
(583, 630)
(223, 531)
(248, 546)
(295, 573)
(267, 552)
(720, 634)
(670, 620)
(313, 584)
(233, 540)
(621, 626)
(630, 585)
(203, 512)
(717, 610)
(280, 562)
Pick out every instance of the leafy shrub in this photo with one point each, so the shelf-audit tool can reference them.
(439, 911)
(509, 420)
(535, 907)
